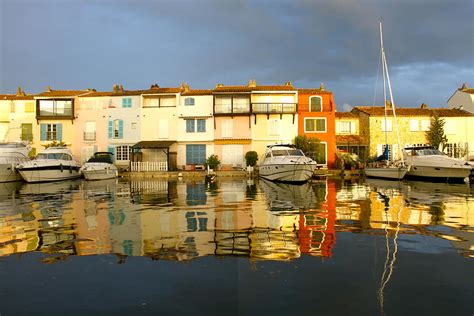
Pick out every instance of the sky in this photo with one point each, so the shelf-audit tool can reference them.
(79, 44)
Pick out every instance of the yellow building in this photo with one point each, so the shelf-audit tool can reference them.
(412, 124)
(348, 138)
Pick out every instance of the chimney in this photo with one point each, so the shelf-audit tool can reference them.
(321, 86)
(288, 84)
(463, 87)
(252, 83)
(121, 88)
(423, 106)
(219, 85)
(20, 92)
(115, 88)
(388, 104)
(48, 89)
(154, 86)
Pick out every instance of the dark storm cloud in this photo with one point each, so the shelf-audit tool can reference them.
(77, 44)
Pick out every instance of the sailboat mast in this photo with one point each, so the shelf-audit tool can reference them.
(385, 68)
(382, 54)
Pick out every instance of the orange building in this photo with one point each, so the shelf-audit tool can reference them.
(316, 118)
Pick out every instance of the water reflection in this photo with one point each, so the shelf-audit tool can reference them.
(260, 220)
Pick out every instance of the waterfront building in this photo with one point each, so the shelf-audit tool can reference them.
(316, 119)
(17, 117)
(462, 98)
(348, 138)
(194, 128)
(119, 130)
(55, 115)
(274, 115)
(413, 124)
(232, 124)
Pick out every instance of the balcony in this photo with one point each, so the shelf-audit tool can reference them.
(55, 109)
(229, 109)
(89, 136)
(274, 108)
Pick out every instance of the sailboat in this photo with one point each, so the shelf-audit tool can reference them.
(383, 167)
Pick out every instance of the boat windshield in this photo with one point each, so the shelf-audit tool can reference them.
(54, 156)
(426, 152)
(295, 152)
(279, 152)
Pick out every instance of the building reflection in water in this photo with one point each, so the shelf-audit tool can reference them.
(184, 220)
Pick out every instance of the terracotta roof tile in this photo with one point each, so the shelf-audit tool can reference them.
(197, 92)
(113, 94)
(64, 93)
(161, 90)
(442, 112)
(469, 90)
(345, 114)
(16, 97)
(313, 91)
(257, 88)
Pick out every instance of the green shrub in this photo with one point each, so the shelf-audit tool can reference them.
(251, 158)
(213, 161)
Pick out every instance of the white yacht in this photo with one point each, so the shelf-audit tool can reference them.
(52, 164)
(100, 167)
(286, 163)
(12, 154)
(431, 164)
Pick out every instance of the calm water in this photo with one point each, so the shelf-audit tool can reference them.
(236, 247)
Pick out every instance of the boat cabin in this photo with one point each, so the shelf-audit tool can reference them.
(106, 157)
(282, 150)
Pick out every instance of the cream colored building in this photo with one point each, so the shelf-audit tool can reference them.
(462, 98)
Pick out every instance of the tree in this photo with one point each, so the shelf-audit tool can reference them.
(435, 135)
(213, 161)
(251, 158)
(309, 145)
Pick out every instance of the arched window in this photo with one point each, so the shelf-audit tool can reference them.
(315, 104)
(189, 101)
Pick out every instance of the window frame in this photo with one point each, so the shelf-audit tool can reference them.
(315, 125)
(310, 105)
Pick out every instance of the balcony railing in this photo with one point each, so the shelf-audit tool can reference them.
(89, 136)
(277, 108)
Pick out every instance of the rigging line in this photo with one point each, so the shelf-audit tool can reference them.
(377, 77)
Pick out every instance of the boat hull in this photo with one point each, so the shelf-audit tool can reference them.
(394, 173)
(436, 173)
(99, 171)
(287, 172)
(50, 173)
(8, 173)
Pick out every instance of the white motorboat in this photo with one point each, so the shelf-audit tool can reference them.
(384, 167)
(100, 167)
(12, 154)
(286, 163)
(52, 164)
(429, 163)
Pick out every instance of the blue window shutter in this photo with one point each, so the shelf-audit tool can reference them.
(111, 149)
(59, 132)
(126, 102)
(120, 129)
(43, 132)
(111, 129)
(202, 154)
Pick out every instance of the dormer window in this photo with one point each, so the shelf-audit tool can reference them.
(315, 104)
(189, 101)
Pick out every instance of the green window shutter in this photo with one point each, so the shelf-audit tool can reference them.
(126, 102)
(59, 132)
(111, 129)
(120, 129)
(43, 132)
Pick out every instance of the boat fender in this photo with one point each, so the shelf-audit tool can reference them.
(61, 167)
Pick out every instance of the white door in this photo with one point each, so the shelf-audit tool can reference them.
(233, 155)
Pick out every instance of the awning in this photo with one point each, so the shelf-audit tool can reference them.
(154, 144)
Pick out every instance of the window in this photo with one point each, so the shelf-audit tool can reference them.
(27, 131)
(315, 104)
(61, 108)
(425, 125)
(315, 125)
(115, 129)
(201, 126)
(196, 194)
(127, 102)
(189, 101)
(386, 125)
(123, 152)
(195, 154)
(29, 107)
(274, 127)
(456, 150)
(414, 126)
(89, 131)
(196, 221)
(344, 127)
(227, 128)
(51, 132)
(193, 126)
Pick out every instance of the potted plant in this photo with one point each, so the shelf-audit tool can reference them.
(212, 162)
(251, 158)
